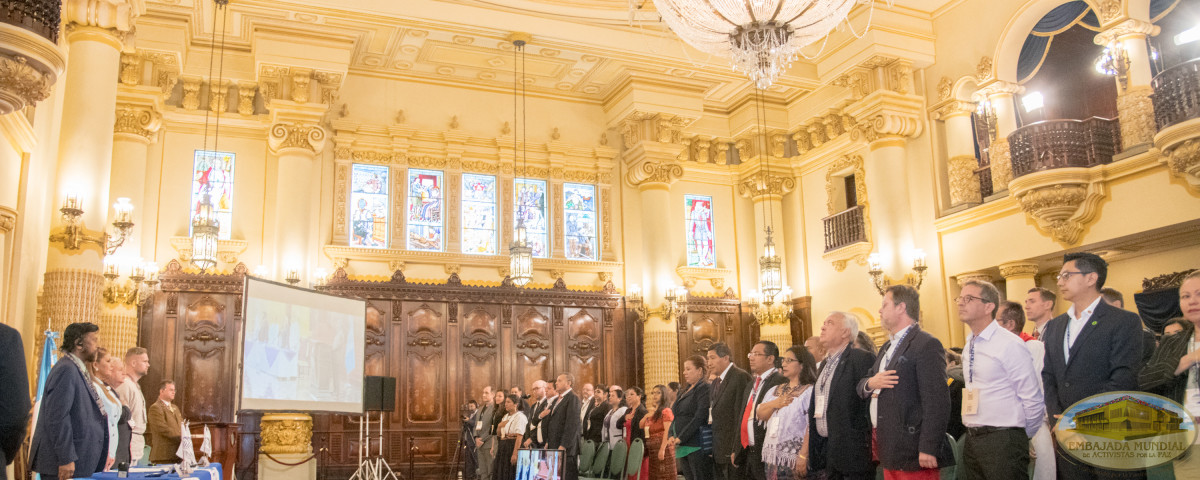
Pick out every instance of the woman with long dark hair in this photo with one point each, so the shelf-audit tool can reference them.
(785, 409)
(660, 453)
(511, 429)
(691, 419)
(615, 418)
(593, 424)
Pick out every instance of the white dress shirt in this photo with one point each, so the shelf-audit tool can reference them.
(1075, 326)
(997, 365)
(762, 381)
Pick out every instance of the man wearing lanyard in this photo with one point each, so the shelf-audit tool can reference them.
(1002, 404)
(838, 441)
(1094, 348)
(483, 435)
(763, 358)
(910, 400)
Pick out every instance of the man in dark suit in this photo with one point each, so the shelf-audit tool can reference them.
(14, 397)
(764, 358)
(71, 437)
(532, 437)
(727, 395)
(908, 394)
(1092, 349)
(562, 425)
(839, 430)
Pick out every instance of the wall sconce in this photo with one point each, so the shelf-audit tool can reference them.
(293, 276)
(320, 278)
(675, 302)
(1114, 61)
(914, 279)
(771, 309)
(73, 235)
(143, 278)
(262, 271)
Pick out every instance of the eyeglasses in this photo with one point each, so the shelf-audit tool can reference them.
(1066, 275)
(788, 360)
(966, 299)
(752, 354)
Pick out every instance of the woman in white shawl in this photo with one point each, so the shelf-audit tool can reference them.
(785, 409)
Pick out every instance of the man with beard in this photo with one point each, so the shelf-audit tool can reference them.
(71, 437)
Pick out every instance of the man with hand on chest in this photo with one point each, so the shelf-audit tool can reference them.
(763, 358)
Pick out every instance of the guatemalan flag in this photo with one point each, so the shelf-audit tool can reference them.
(47, 363)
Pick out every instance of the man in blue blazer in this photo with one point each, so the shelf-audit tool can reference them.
(14, 397)
(1092, 349)
(71, 436)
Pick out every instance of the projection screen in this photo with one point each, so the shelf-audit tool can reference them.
(301, 350)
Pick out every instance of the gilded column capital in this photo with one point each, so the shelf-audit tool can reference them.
(139, 120)
(106, 20)
(1019, 269)
(886, 114)
(650, 175)
(22, 83)
(761, 185)
(8, 219)
(1000, 88)
(1128, 28)
(285, 136)
(965, 277)
(891, 127)
(952, 109)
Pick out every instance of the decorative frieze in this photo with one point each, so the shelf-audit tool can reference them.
(191, 92)
(284, 433)
(246, 92)
(1135, 109)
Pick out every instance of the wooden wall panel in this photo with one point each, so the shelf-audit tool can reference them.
(443, 343)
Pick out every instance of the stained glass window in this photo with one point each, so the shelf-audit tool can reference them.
(579, 211)
(479, 214)
(369, 206)
(424, 210)
(701, 251)
(532, 206)
(212, 173)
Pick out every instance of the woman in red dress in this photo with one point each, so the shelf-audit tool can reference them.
(660, 453)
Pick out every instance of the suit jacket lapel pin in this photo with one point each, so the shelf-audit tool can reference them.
(1093, 322)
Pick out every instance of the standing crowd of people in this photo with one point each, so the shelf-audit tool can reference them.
(834, 408)
(92, 416)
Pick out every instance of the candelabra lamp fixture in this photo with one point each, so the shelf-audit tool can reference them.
(206, 230)
(292, 277)
(913, 279)
(73, 235)
(770, 271)
(142, 280)
(771, 309)
(320, 278)
(1114, 61)
(675, 302)
(520, 257)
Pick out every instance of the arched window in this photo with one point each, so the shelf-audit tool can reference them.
(369, 206)
(531, 206)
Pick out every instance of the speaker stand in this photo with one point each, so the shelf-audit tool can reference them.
(372, 467)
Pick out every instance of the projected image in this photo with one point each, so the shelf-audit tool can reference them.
(301, 351)
(539, 464)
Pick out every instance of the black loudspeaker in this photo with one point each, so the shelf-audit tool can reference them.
(379, 394)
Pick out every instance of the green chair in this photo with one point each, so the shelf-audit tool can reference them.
(633, 465)
(599, 461)
(586, 451)
(951, 472)
(616, 461)
(961, 474)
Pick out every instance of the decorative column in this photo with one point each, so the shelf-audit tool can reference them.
(95, 35)
(20, 140)
(652, 170)
(1134, 107)
(767, 191)
(960, 151)
(1019, 278)
(286, 450)
(1000, 96)
(295, 138)
(136, 127)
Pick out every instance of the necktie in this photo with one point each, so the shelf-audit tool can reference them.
(1036, 334)
(716, 389)
(748, 412)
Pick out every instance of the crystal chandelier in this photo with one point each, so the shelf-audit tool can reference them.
(205, 231)
(770, 276)
(761, 37)
(520, 254)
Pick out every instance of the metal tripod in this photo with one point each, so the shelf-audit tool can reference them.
(371, 467)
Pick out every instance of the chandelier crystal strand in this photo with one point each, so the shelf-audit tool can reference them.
(761, 37)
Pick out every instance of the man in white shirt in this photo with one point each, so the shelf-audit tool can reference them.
(586, 397)
(1012, 318)
(538, 390)
(1039, 309)
(1002, 403)
(763, 358)
(137, 364)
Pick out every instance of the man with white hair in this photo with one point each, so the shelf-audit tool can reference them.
(540, 402)
(838, 441)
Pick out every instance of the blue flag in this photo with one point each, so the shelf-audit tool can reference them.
(48, 360)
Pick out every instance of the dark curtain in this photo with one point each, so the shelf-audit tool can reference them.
(1158, 8)
(1033, 51)
(1157, 308)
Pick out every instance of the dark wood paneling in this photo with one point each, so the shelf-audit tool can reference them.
(443, 343)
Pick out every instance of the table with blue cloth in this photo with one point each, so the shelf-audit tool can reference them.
(211, 472)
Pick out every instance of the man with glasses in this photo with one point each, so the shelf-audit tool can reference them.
(1092, 349)
(908, 394)
(1002, 404)
(763, 364)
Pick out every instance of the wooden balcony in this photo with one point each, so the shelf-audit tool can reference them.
(844, 228)
(38, 16)
(1064, 144)
(1176, 94)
